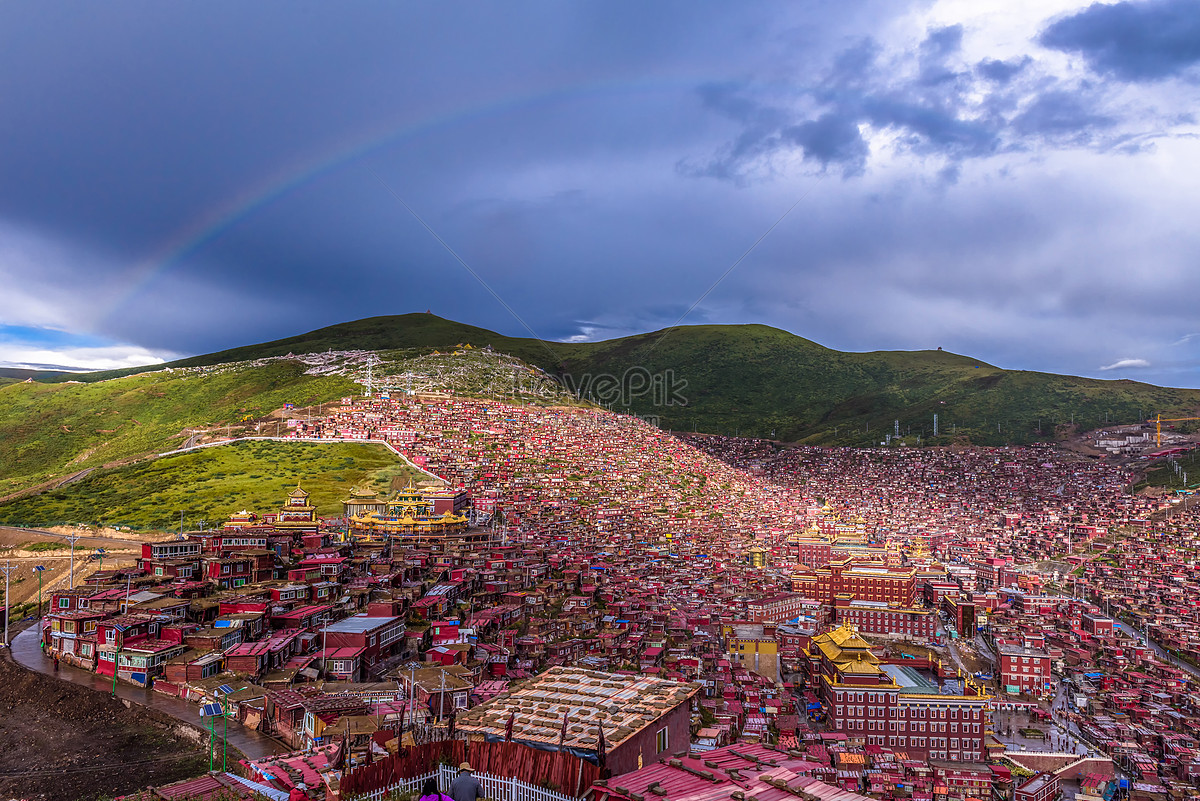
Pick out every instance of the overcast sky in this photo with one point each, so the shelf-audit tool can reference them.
(1012, 179)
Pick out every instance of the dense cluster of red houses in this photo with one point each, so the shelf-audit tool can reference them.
(777, 597)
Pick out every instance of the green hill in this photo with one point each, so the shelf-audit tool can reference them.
(755, 380)
(749, 379)
(53, 429)
(213, 483)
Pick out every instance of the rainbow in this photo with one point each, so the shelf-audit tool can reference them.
(213, 222)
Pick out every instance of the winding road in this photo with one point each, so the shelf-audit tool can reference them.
(27, 653)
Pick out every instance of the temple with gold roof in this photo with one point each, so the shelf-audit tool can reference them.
(908, 707)
(297, 514)
(408, 514)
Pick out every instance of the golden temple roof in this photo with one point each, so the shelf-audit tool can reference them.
(843, 645)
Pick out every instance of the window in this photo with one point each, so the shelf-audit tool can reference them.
(660, 740)
(64, 603)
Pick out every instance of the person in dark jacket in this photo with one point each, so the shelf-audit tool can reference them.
(465, 786)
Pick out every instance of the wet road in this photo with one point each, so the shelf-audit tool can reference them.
(253, 744)
(1159, 651)
(1141, 637)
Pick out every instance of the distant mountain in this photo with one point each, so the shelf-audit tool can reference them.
(38, 372)
(761, 381)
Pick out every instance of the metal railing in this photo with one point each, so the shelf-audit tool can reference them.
(495, 788)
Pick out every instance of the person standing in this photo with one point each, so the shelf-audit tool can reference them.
(465, 786)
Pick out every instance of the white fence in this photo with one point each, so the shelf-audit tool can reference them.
(495, 788)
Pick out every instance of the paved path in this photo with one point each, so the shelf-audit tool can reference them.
(26, 651)
(1159, 651)
(85, 542)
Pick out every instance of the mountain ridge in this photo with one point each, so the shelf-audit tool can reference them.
(764, 381)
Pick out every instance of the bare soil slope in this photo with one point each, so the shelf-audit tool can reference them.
(61, 741)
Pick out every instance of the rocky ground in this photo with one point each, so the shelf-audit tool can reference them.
(65, 742)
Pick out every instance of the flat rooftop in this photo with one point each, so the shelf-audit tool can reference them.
(360, 625)
(913, 681)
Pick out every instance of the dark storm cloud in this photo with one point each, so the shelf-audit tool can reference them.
(1061, 114)
(1144, 41)
(186, 178)
(935, 52)
(1001, 71)
(937, 105)
(927, 111)
(831, 138)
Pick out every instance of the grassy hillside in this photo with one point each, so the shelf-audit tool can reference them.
(49, 430)
(755, 380)
(213, 483)
(1179, 473)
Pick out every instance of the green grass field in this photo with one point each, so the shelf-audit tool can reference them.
(213, 483)
(52, 429)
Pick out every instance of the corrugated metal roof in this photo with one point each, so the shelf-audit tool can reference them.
(624, 704)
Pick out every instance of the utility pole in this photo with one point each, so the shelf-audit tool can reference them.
(73, 538)
(412, 674)
(8, 569)
(325, 644)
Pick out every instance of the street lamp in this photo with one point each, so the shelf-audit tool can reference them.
(210, 711)
(222, 694)
(39, 569)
